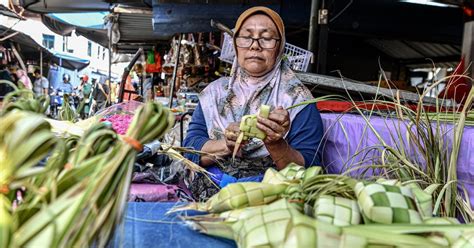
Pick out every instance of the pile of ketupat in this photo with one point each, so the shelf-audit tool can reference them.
(298, 207)
(67, 192)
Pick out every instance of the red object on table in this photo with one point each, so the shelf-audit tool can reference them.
(345, 106)
(458, 87)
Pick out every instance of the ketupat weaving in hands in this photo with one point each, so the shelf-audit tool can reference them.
(259, 77)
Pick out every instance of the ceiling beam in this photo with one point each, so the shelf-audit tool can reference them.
(444, 59)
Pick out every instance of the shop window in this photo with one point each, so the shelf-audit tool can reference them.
(89, 48)
(48, 41)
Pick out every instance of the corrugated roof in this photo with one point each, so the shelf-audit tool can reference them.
(416, 54)
(137, 28)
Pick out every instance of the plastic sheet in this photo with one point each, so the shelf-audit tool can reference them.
(347, 140)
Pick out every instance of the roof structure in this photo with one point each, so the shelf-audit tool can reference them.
(30, 50)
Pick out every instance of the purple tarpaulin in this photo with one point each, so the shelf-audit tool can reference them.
(348, 135)
(348, 142)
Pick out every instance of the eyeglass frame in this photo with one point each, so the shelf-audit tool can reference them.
(258, 41)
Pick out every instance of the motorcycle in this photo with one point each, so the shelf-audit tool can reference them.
(57, 101)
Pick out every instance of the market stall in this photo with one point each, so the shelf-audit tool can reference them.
(395, 167)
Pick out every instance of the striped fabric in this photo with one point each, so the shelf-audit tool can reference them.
(386, 204)
(336, 210)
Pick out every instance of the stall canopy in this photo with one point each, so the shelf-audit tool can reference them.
(68, 61)
(393, 27)
(30, 49)
(64, 6)
(92, 28)
(7, 12)
(75, 6)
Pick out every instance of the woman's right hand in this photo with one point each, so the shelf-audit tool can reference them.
(231, 134)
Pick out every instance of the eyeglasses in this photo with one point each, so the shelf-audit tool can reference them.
(265, 43)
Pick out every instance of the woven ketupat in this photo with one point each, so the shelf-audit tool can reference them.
(276, 225)
(465, 241)
(386, 204)
(336, 210)
(293, 171)
(245, 194)
(248, 125)
(423, 200)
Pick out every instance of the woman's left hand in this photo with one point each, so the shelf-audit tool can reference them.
(276, 126)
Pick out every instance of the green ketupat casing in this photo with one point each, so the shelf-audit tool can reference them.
(248, 124)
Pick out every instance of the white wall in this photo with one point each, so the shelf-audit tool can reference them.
(35, 29)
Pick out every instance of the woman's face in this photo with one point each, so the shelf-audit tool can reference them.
(255, 60)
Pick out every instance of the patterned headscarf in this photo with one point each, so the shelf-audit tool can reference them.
(227, 99)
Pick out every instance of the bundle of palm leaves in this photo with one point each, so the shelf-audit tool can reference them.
(78, 196)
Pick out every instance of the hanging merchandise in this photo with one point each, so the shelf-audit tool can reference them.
(150, 58)
(153, 62)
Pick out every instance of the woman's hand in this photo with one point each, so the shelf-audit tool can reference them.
(231, 134)
(276, 126)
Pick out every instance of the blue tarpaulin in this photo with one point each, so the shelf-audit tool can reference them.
(147, 225)
(69, 61)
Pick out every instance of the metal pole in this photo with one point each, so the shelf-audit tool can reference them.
(323, 41)
(110, 62)
(175, 71)
(313, 32)
(152, 97)
(468, 48)
(143, 76)
(126, 72)
(41, 62)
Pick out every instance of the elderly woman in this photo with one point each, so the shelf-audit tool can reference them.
(259, 76)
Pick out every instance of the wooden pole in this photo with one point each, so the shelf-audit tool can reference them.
(175, 72)
(17, 55)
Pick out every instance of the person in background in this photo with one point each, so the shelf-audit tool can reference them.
(113, 92)
(41, 84)
(12, 70)
(259, 76)
(84, 87)
(85, 95)
(65, 86)
(5, 75)
(101, 95)
(23, 79)
(147, 86)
